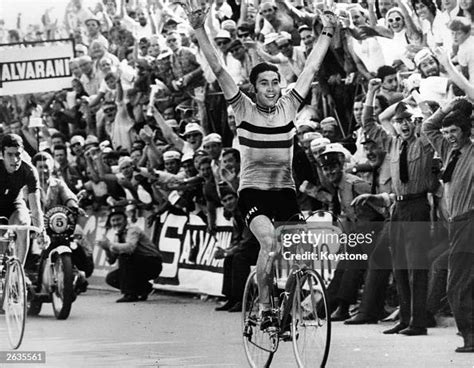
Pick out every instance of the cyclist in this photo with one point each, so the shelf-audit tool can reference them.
(266, 131)
(15, 174)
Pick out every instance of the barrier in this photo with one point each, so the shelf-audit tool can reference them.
(187, 250)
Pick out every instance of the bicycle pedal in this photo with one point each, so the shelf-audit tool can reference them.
(286, 336)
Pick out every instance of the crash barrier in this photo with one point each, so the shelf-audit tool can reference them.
(187, 249)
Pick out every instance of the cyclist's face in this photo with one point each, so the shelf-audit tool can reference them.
(12, 158)
(268, 88)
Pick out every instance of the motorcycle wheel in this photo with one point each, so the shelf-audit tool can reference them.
(63, 293)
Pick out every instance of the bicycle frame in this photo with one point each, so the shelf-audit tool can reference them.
(10, 236)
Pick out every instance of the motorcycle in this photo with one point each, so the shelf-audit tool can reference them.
(57, 277)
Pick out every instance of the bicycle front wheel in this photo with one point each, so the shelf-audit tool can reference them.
(311, 324)
(259, 345)
(14, 302)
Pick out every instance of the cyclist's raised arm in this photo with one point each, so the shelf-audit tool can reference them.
(317, 54)
(197, 18)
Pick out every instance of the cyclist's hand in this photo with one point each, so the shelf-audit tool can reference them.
(43, 239)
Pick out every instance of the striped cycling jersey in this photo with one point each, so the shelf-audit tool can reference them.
(266, 141)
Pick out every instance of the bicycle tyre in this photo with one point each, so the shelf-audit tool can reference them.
(259, 346)
(15, 304)
(63, 293)
(311, 323)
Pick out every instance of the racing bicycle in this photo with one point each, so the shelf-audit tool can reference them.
(12, 283)
(301, 307)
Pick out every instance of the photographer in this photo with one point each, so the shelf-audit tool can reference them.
(139, 259)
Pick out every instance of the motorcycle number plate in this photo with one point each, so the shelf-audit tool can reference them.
(58, 223)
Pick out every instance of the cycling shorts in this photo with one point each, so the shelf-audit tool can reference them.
(277, 205)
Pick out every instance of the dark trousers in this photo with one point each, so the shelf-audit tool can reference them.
(377, 277)
(349, 275)
(236, 271)
(344, 286)
(461, 276)
(410, 240)
(133, 274)
(438, 283)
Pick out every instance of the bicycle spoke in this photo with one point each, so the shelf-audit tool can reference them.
(311, 329)
(15, 303)
(259, 345)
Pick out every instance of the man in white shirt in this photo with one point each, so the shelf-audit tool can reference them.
(461, 32)
(433, 86)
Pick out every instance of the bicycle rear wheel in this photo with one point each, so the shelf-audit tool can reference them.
(14, 302)
(259, 346)
(311, 325)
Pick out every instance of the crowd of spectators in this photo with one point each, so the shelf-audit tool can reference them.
(145, 121)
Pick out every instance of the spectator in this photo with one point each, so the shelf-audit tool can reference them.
(389, 89)
(93, 31)
(66, 171)
(139, 259)
(462, 39)
(239, 256)
(89, 79)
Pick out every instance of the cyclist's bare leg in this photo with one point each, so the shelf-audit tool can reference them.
(20, 217)
(263, 229)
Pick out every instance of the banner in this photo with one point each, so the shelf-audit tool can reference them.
(186, 247)
(188, 253)
(35, 67)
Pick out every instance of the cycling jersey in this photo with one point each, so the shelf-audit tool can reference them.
(266, 141)
(11, 197)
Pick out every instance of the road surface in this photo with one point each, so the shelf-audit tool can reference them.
(175, 330)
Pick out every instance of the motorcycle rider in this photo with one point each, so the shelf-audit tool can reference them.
(53, 192)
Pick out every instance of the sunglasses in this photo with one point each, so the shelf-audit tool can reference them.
(242, 35)
(222, 43)
(397, 19)
(235, 49)
(284, 46)
(108, 111)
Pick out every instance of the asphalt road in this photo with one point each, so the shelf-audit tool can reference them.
(173, 330)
